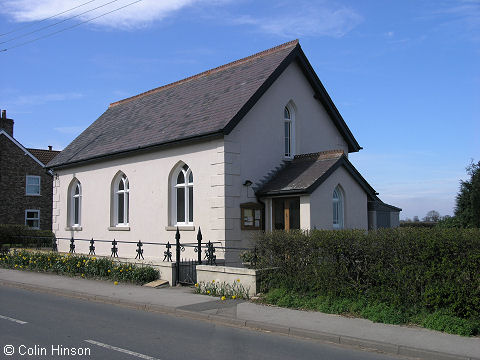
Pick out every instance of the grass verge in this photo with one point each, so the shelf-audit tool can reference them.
(439, 320)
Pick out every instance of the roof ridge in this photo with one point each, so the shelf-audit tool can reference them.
(43, 150)
(208, 72)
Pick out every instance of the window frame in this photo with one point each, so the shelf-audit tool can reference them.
(289, 123)
(121, 178)
(254, 207)
(186, 186)
(338, 201)
(73, 196)
(32, 219)
(27, 177)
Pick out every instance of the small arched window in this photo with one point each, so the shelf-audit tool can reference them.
(121, 190)
(183, 196)
(75, 200)
(289, 132)
(338, 218)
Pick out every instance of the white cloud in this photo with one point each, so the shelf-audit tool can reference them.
(38, 99)
(308, 20)
(70, 130)
(140, 14)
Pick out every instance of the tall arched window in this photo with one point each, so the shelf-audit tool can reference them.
(121, 200)
(75, 204)
(182, 196)
(338, 219)
(289, 131)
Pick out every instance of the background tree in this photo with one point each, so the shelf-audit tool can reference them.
(432, 216)
(467, 209)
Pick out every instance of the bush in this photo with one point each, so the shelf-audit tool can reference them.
(23, 236)
(375, 311)
(435, 269)
(78, 265)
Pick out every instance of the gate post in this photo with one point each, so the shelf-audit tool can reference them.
(177, 259)
(199, 245)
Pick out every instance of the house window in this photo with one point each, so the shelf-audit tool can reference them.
(32, 219)
(338, 208)
(289, 132)
(121, 199)
(33, 185)
(183, 196)
(75, 198)
(251, 216)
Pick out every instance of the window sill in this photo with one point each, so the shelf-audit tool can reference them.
(37, 195)
(119, 228)
(73, 228)
(180, 227)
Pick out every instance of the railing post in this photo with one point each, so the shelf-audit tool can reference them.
(54, 244)
(199, 245)
(72, 245)
(114, 249)
(177, 259)
(92, 247)
(139, 250)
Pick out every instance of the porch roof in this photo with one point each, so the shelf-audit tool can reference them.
(306, 172)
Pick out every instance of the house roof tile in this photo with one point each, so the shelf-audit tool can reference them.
(208, 104)
(45, 156)
(197, 105)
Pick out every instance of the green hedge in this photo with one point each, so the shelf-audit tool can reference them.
(22, 236)
(433, 269)
(78, 265)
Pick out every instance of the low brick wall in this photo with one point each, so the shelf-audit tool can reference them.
(249, 278)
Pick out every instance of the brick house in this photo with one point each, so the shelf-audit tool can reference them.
(26, 185)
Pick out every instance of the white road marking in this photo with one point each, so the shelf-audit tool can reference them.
(12, 319)
(110, 347)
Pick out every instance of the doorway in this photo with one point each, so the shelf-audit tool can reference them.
(286, 213)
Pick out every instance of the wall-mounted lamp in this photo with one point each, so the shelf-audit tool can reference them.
(247, 183)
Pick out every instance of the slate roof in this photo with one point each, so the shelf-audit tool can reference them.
(306, 172)
(45, 156)
(208, 104)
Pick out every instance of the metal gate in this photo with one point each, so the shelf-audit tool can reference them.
(188, 272)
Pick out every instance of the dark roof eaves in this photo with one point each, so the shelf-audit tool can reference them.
(276, 193)
(358, 177)
(261, 90)
(322, 95)
(343, 161)
(147, 148)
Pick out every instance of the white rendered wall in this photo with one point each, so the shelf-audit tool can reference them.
(148, 176)
(256, 144)
(355, 202)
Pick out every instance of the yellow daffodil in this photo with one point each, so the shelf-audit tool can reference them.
(238, 280)
(115, 283)
(108, 270)
(208, 291)
(213, 281)
(223, 298)
(196, 285)
(234, 297)
(83, 275)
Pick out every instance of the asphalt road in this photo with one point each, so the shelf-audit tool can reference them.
(41, 326)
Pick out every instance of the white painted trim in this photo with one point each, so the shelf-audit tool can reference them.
(39, 185)
(33, 210)
(22, 147)
(173, 188)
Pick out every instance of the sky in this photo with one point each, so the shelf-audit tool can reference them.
(405, 75)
